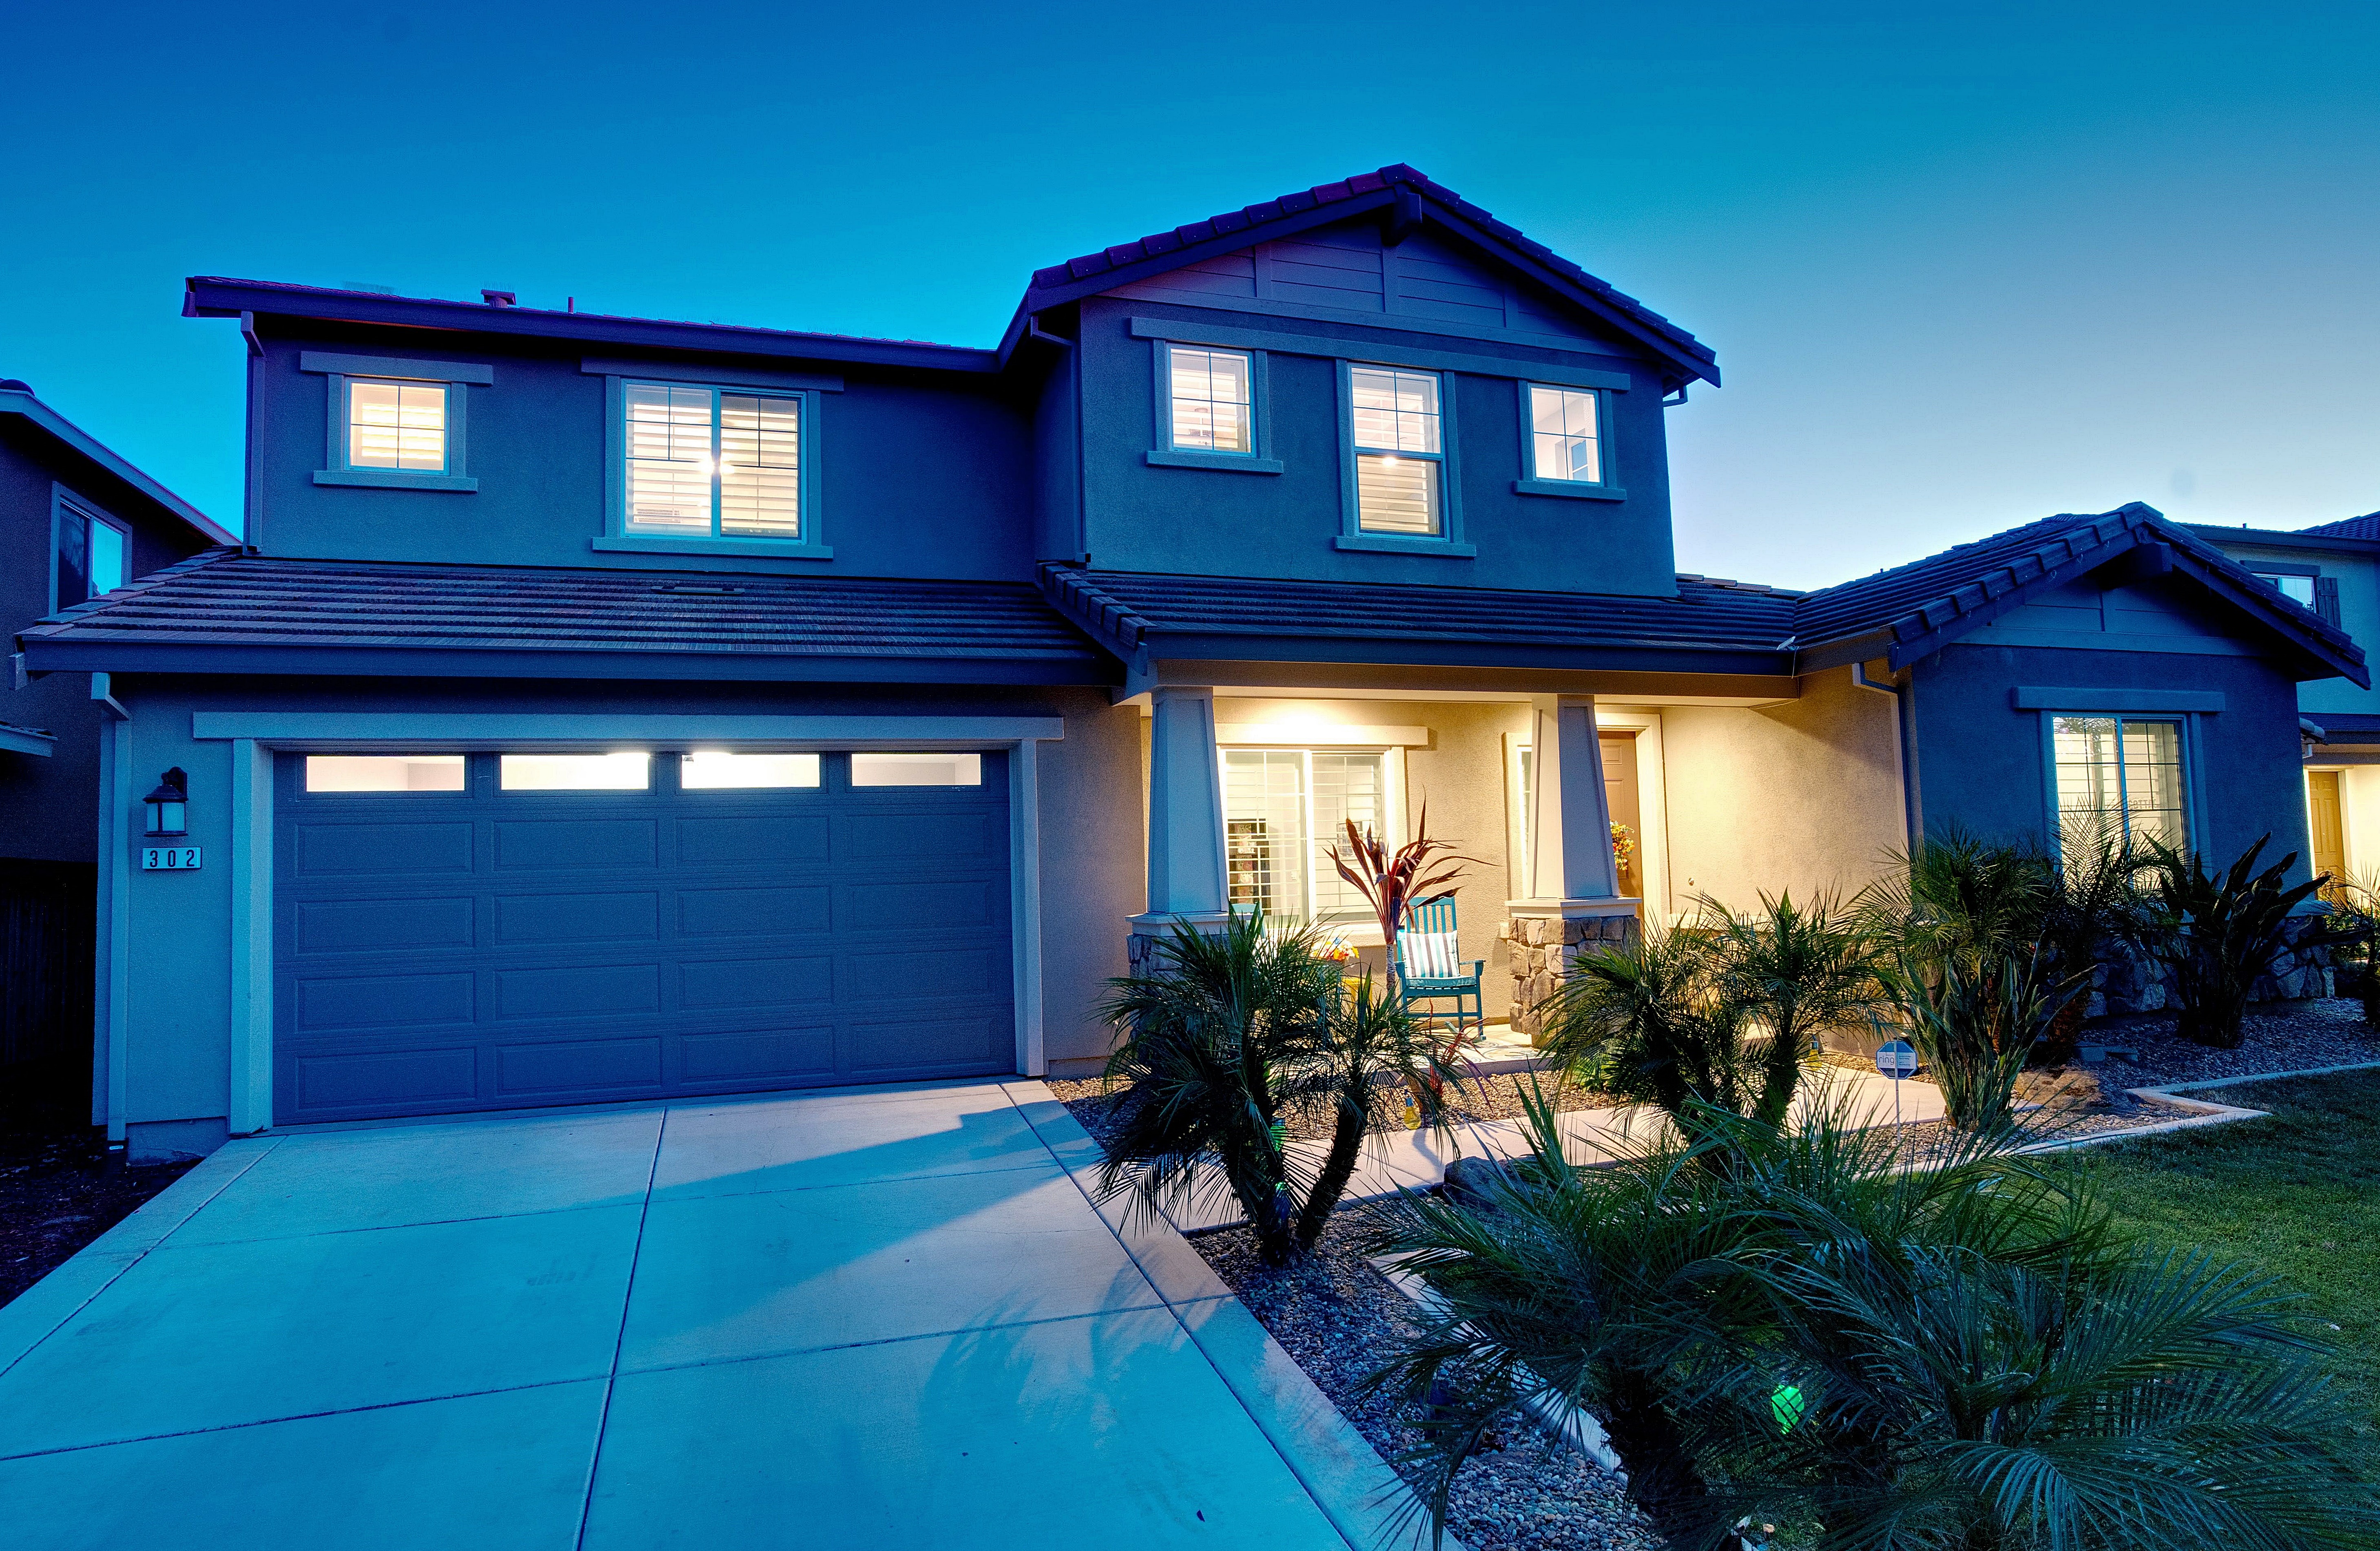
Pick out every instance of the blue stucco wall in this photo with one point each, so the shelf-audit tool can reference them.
(1210, 522)
(2357, 574)
(1980, 761)
(920, 474)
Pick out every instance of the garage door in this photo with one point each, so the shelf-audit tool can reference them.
(459, 932)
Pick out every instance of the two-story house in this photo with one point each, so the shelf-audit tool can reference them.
(76, 521)
(603, 708)
(2333, 571)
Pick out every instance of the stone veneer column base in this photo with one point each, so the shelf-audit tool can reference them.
(1149, 932)
(1545, 937)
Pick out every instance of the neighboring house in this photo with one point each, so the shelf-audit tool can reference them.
(76, 520)
(615, 709)
(2332, 570)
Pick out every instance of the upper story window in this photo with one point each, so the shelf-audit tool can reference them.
(2305, 586)
(2120, 775)
(1212, 398)
(91, 552)
(2297, 589)
(707, 462)
(1566, 442)
(396, 424)
(1400, 447)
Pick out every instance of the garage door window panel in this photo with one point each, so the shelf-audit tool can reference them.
(916, 769)
(400, 774)
(710, 770)
(575, 772)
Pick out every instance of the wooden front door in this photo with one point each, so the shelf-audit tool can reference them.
(2330, 835)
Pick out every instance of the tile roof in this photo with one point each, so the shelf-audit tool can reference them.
(1928, 599)
(1251, 217)
(225, 598)
(2364, 527)
(1123, 608)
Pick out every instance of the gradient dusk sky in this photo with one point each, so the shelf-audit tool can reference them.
(1963, 265)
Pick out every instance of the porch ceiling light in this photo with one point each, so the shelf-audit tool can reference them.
(168, 806)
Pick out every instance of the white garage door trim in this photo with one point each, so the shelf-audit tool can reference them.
(256, 736)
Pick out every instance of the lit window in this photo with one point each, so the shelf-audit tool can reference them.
(707, 770)
(1565, 442)
(91, 555)
(384, 773)
(1398, 451)
(916, 769)
(1283, 812)
(2121, 777)
(704, 463)
(397, 425)
(575, 772)
(1213, 404)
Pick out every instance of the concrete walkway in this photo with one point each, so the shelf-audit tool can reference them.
(860, 1318)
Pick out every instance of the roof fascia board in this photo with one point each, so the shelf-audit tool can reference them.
(221, 299)
(1912, 642)
(49, 655)
(410, 729)
(2217, 538)
(64, 431)
(25, 740)
(1645, 657)
(1864, 647)
(2213, 572)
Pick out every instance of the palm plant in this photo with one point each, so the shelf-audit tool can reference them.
(2095, 900)
(2219, 933)
(1648, 1019)
(1974, 1021)
(1794, 970)
(1234, 1035)
(1957, 895)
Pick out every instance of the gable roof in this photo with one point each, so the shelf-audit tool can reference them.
(1710, 626)
(231, 612)
(1410, 195)
(17, 398)
(1912, 611)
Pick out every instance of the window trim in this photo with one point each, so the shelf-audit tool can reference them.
(616, 537)
(1446, 544)
(1531, 483)
(1163, 454)
(455, 376)
(2188, 724)
(63, 501)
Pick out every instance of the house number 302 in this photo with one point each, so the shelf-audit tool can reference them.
(169, 858)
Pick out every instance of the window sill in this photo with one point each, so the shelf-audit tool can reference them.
(394, 479)
(1575, 489)
(1388, 543)
(655, 543)
(1227, 463)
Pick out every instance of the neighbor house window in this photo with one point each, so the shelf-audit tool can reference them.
(1212, 400)
(1400, 451)
(1565, 434)
(1284, 811)
(705, 463)
(2297, 589)
(397, 425)
(2120, 776)
(90, 553)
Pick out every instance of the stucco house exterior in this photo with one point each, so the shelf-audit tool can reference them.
(2332, 569)
(76, 520)
(602, 708)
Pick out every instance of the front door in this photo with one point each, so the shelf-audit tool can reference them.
(2328, 831)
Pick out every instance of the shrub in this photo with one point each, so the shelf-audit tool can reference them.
(2219, 933)
(1231, 1035)
(1974, 1020)
(1793, 971)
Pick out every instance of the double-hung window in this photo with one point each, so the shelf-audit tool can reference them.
(707, 462)
(1211, 408)
(91, 552)
(2120, 776)
(1400, 452)
(1283, 812)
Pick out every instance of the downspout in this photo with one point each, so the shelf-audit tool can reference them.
(1902, 744)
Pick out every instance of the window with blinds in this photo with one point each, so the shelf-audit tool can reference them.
(1212, 404)
(1400, 451)
(1284, 811)
(705, 463)
(2120, 776)
(397, 425)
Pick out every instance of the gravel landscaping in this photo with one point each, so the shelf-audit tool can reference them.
(59, 1190)
(1341, 1321)
(2310, 1035)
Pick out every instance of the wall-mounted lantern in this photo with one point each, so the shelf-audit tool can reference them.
(169, 805)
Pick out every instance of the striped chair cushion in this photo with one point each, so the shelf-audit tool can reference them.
(1428, 955)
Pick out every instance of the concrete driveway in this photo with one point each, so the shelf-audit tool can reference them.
(885, 1317)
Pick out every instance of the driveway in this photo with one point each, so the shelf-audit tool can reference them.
(882, 1317)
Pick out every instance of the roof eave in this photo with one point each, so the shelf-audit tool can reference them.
(13, 402)
(211, 296)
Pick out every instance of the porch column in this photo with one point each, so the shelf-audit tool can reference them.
(1571, 902)
(1186, 818)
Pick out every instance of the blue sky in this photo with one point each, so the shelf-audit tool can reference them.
(1963, 265)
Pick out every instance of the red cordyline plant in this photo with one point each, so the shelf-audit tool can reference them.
(1393, 884)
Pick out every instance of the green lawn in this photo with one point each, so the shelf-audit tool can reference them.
(2297, 1193)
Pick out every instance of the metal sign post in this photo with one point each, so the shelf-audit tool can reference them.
(1896, 1060)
